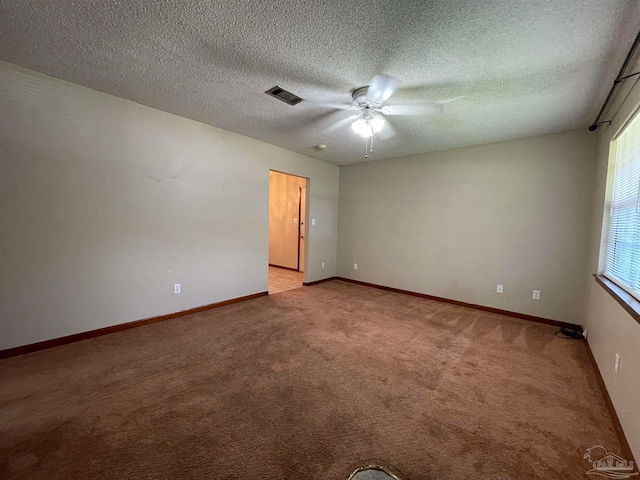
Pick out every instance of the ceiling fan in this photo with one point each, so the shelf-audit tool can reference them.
(370, 102)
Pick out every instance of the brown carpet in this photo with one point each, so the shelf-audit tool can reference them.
(307, 384)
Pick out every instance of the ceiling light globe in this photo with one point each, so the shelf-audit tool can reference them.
(362, 128)
(377, 123)
(365, 131)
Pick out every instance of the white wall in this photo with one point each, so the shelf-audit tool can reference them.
(105, 203)
(455, 224)
(611, 329)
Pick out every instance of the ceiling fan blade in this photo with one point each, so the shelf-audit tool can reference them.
(413, 110)
(387, 132)
(332, 106)
(342, 123)
(381, 88)
(450, 100)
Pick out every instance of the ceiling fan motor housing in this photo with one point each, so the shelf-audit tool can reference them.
(359, 95)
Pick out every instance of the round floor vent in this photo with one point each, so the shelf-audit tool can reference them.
(373, 472)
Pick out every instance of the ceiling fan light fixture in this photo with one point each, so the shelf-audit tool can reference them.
(377, 123)
(362, 128)
(367, 127)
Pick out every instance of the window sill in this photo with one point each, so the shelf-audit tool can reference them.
(627, 301)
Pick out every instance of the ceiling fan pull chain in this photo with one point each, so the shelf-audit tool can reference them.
(366, 148)
(371, 140)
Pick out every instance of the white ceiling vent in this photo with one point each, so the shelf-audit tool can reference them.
(281, 94)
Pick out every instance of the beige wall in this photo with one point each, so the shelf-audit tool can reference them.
(105, 204)
(284, 206)
(611, 329)
(455, 224)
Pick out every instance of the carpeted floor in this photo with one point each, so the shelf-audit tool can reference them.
(307, 384)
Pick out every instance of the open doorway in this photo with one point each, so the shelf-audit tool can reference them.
(287, 230)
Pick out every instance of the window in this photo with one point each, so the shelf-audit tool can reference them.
(622, 247)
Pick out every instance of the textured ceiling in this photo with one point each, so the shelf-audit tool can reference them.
(522, 67)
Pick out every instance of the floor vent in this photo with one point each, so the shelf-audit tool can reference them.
(281, 94)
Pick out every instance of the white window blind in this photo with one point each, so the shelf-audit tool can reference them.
(622, 262)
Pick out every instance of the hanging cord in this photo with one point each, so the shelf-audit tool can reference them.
(368, 143)
(371, 140)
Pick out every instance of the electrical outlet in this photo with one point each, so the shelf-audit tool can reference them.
(617, 364)
(322, 264)
(355, 266)
(313, 221)
(176, 288)
(500, 289)
(536, 294)
(585, 332)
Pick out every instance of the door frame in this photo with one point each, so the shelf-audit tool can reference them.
(306, 223)
(302, 227)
